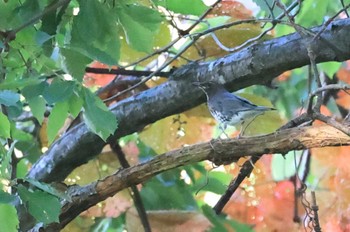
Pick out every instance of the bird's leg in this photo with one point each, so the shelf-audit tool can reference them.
(223, 128)
(243, 128)
(241, 131)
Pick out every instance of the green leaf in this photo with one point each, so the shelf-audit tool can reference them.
(318, 9)
(19, 83)
(56, 120)
(157, 192)
(42, 206)
(38, 107)
(31, 150)
(28, 9)
(75, 104)
(8, 98)
(41, 37)
(22, 168)
(49, 188)
(9, 18)
(34, 90)
(5, 167)
(140, 25)
(215, 182)
(58, 91)
(6, 198)
(284, 167)
(75, 63)
(9, 218)
(187, 7)
(266, 5)
(20, 135)
(4, 126)
(97, 116)
(216, 220)
(95, 32)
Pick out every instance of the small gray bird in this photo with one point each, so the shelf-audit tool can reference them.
(228, 108)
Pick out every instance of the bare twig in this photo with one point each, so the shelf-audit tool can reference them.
(324, 88)
(325, 25)
(244, 172)
(332, 122)
(125, 72)
(345, 10)
(136, 195)
(314, 208)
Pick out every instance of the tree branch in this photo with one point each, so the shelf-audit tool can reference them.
(256, 64)
(217, 151)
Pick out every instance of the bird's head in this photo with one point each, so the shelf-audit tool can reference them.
(208, 86)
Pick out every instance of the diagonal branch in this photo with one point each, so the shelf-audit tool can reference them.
(256, 64)
(217, 151)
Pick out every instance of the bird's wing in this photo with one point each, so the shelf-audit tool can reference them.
(235, 101)
(244, 104)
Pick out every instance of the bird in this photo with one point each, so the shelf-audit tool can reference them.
(228, 108)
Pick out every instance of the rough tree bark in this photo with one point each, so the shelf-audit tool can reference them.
(217, 151)
(256, 64)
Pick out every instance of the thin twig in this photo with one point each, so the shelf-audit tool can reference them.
(324, 88)
(325, 25)
(245, 171)
(332, 122)
(314, 208)
(125, 72)
(135, 192)
(345, 10)
(12, 34)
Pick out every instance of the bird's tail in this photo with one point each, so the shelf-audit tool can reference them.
(264, 108)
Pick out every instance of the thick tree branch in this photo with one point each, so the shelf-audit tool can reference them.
(217, 151)
(256, 64)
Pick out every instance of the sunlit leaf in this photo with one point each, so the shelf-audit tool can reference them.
(318, 8)
(97, 116)
(56, 120)
(187, 7)
(9, 218)
(75, 63)
(38, 107)
(95, 33)
(140, 25)
(75, 105)
(4, 126)
(5, 167)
